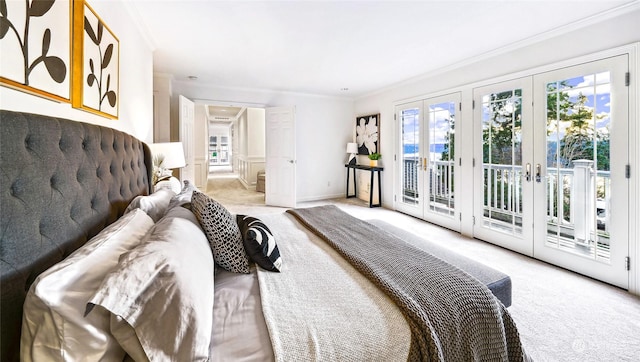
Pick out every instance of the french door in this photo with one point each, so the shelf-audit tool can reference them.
(581, 151)
(427, 161)
(219, 150)
(549, 179)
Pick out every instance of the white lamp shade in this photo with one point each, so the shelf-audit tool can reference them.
(352, 147)
(173, 154)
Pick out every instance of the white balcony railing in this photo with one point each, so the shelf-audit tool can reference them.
(570, 200)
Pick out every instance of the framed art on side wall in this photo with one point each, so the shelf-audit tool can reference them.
(35, 43)
(96, 68)
(367, 134)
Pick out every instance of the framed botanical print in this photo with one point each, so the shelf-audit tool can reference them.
(367, 134)
(96, 68)
(35, 43)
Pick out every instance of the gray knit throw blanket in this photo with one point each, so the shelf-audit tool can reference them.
(452, 316)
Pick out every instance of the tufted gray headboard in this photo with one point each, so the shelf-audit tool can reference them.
(61, 182)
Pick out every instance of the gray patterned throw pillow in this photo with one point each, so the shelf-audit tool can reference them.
(222, 232)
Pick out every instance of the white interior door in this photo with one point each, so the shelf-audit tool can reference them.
(581, 151)
(280, 188)
(503, 155)
(187, 121)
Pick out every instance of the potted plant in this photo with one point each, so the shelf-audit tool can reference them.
(373, 159)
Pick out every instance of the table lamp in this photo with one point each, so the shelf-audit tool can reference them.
(166, 156)
(352, 148)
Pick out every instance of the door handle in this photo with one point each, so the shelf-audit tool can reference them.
(527, 172)
(424, 163)
(292, 161)
(538, 172)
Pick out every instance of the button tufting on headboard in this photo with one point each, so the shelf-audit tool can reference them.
(61, 182)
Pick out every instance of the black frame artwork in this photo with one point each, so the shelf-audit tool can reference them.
(35, 42)
(368, 134)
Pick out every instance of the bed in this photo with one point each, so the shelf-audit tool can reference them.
(166, 292)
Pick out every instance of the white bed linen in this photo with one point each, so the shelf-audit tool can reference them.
(54, 327)
(164, 290)
(318, 308)
(239, 331)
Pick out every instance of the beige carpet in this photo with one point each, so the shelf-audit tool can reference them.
(561, 315)
(228, 190)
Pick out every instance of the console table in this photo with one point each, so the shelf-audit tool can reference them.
(373, 171)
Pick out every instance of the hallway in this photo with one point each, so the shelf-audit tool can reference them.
(229, 191)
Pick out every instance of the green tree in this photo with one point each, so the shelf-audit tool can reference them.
(581, 140)
(501, 132)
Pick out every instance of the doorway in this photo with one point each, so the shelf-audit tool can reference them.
(221, 124)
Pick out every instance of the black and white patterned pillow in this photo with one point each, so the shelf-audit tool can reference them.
(259, 243)
(222, 232)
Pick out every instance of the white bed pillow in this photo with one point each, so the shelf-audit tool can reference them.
(53, 326)
(155, 205)
(164, 290)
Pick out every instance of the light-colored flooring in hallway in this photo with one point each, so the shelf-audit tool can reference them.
(561, 315)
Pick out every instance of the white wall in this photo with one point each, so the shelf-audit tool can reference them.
(324, 125)
(161, 108)
(242, 134)
(136, 81)
(255, 135)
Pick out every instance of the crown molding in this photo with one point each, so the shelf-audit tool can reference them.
(142, 28)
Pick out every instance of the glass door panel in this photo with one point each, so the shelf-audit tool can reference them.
(213, 150)
(502, 160)
(411, 159)
(502, 128)
(440, 174)
(578, 177)
(224, 150)
(582, 146)
(441, 139)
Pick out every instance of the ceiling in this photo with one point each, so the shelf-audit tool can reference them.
(341, 48)
(222, 114)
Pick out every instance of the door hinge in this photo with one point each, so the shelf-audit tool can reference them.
(394, 198)
(627, 79)
(460, 106)
(474, 220)
(460, 216)
(394, 158)
(395, 117)
(473, 104)
(627, 263)
(473, 163)
(627, 171)
(460, 162)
